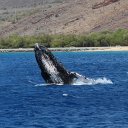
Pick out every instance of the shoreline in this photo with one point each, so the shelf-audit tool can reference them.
(71, 49)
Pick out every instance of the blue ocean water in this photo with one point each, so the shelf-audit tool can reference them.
(26, 102)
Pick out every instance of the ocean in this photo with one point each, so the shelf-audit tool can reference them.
(26, 101)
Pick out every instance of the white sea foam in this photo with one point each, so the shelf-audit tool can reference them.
(81, 80)
(46, 84)
(90, 81)
(65, 94)
(37, 85)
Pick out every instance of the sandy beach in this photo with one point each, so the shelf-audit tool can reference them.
(79, 49)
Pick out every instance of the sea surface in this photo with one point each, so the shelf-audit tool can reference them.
(27, 102)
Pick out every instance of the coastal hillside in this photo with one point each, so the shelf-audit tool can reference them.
(34, 17)
(10, 4)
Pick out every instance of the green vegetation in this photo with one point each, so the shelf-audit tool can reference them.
(119, 37)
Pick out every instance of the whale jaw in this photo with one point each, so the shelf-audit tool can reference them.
(52, 71)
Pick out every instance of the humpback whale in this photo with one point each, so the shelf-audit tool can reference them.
(52, 70)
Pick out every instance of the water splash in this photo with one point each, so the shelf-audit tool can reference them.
(90, 81)
(46, 84)
(38, 85)
(81, 80)
(87, 81)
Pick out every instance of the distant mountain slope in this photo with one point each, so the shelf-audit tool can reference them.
(24, 3)
(69, 17)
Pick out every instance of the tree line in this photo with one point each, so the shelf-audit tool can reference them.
(97, 39)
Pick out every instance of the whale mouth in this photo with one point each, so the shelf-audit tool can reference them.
(39, 48)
